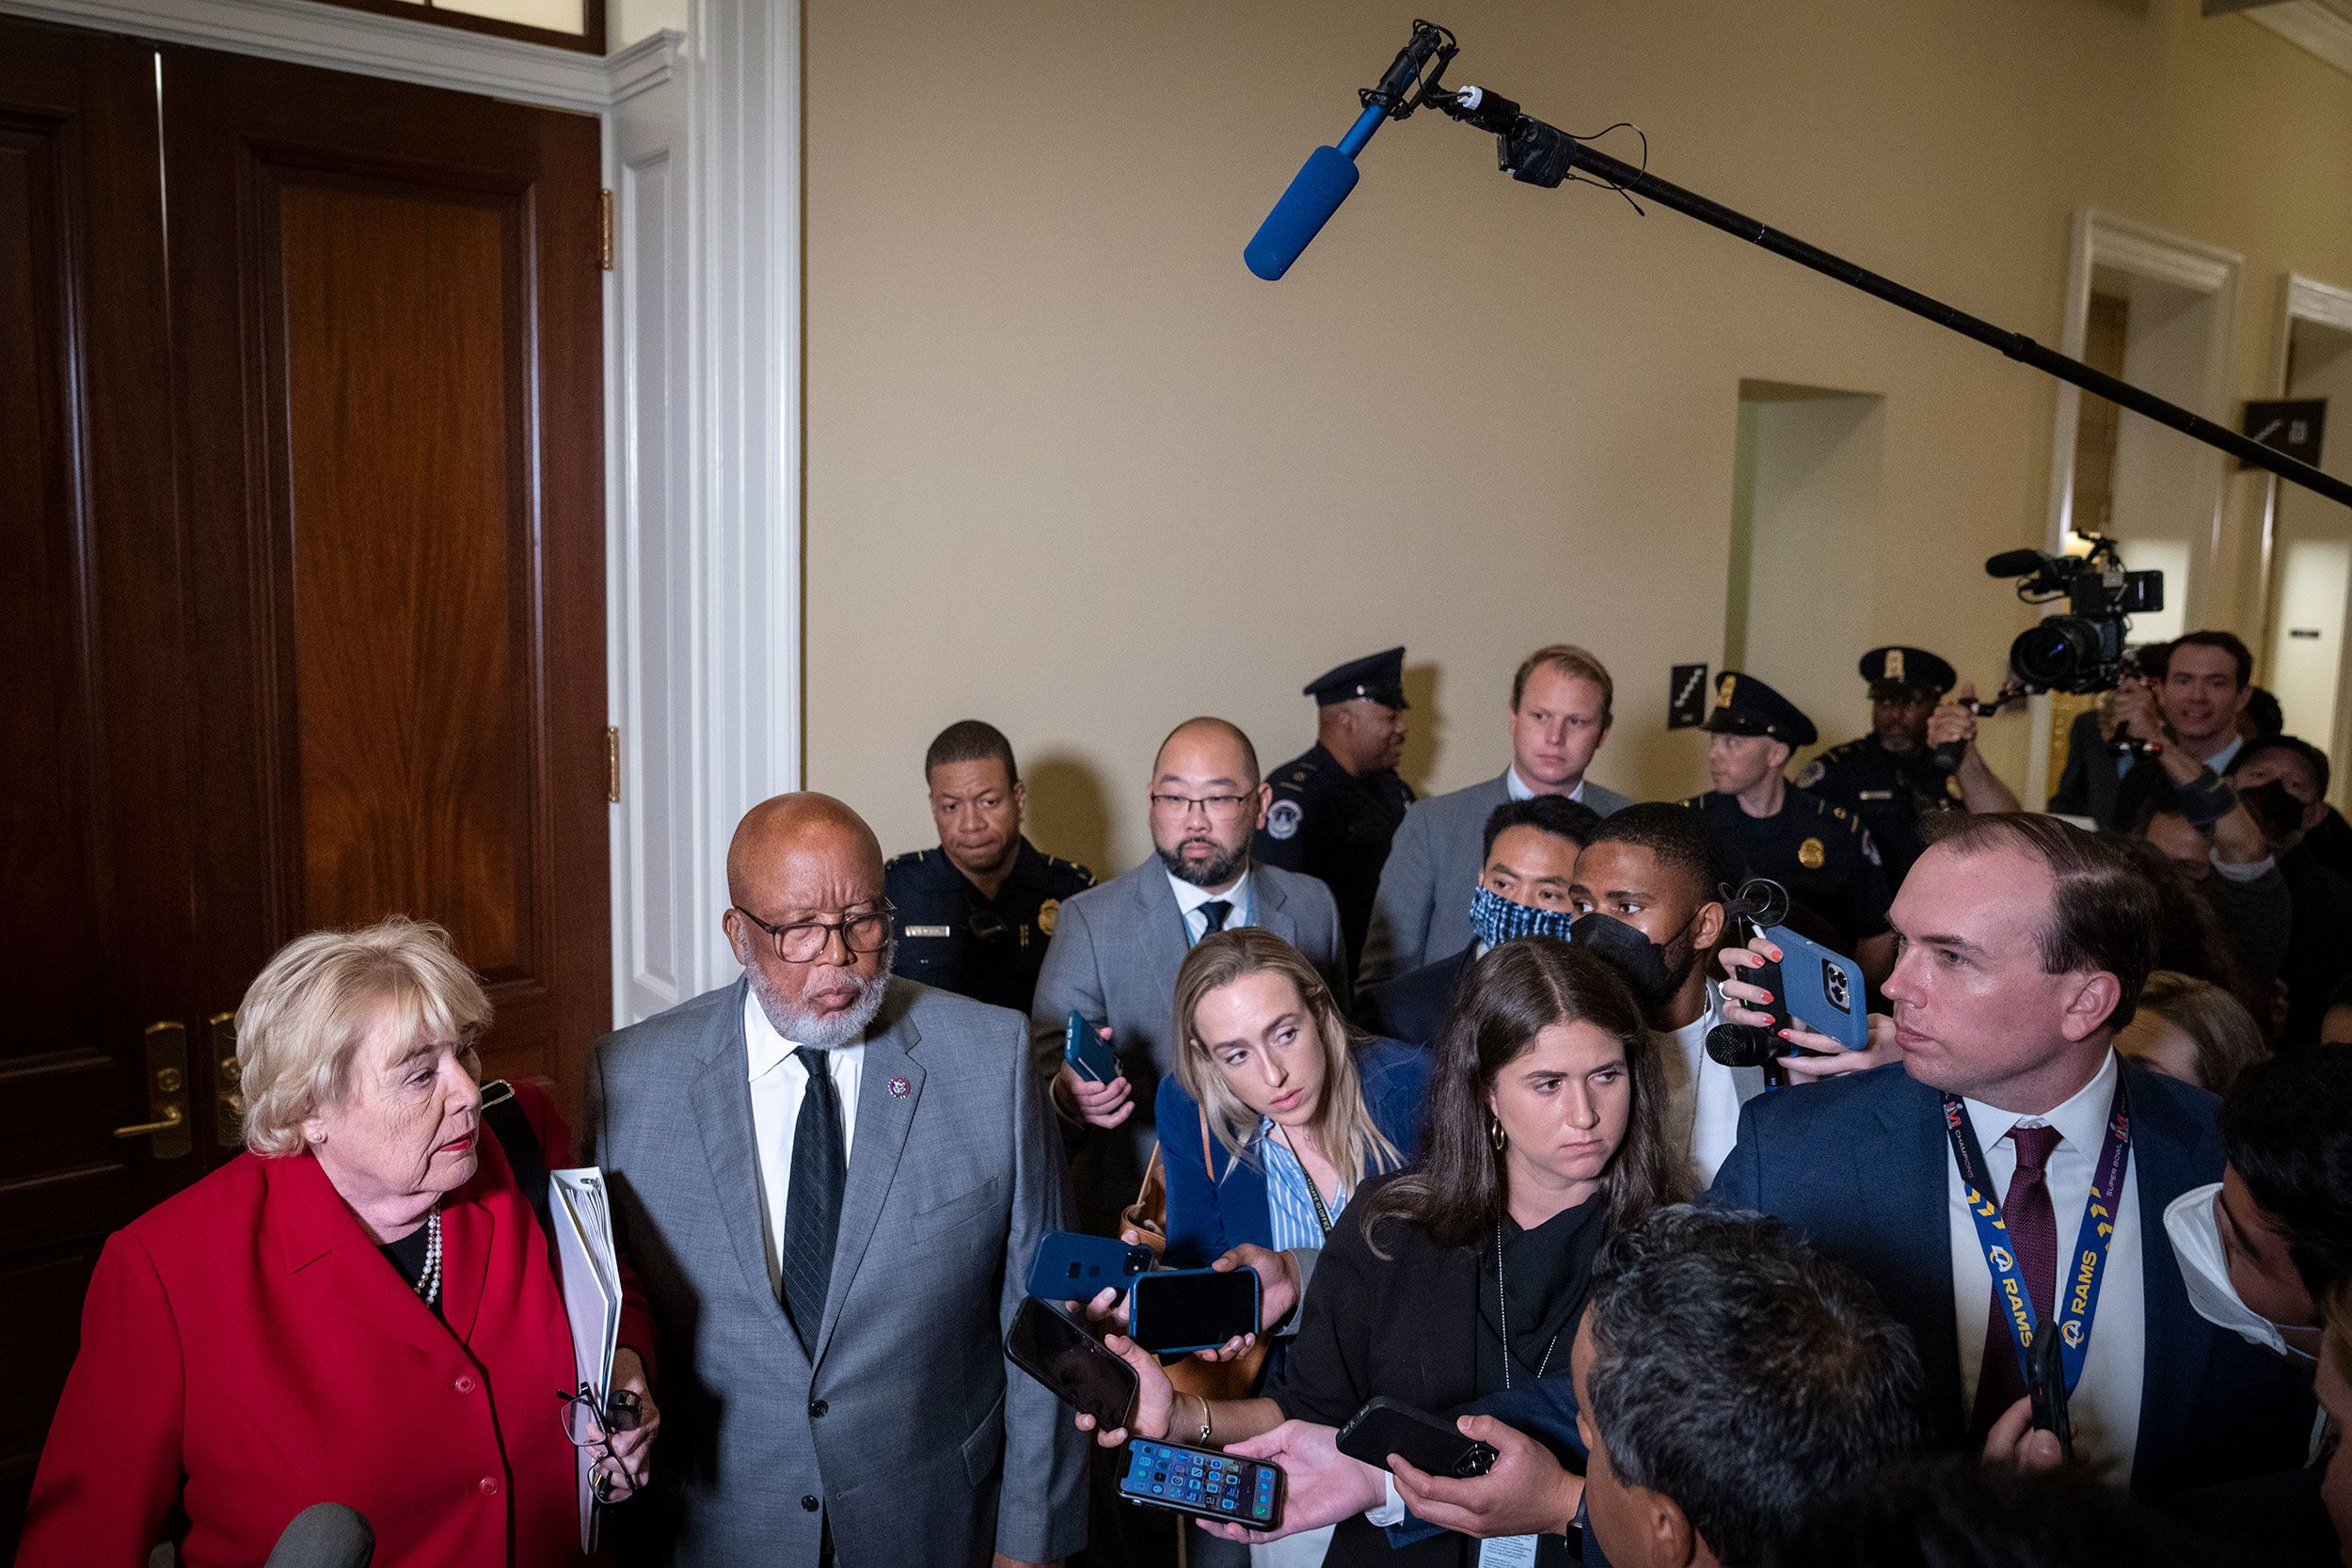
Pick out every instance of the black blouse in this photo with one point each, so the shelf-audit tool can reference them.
(1415, 1326)
(407, 1258)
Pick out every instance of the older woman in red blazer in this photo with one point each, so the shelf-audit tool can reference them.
(360, 1310)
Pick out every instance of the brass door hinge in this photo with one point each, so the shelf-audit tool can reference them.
(612, 764)
(604, 230)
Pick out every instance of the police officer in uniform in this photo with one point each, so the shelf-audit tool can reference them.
(975, 914)
(1888, 778)
(1336, 808)
(1819, 852)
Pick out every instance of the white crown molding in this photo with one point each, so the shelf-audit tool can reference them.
(2310, 300)
(304, 33)
(2324, 31)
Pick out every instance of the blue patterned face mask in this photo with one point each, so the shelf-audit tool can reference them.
(1495, 919)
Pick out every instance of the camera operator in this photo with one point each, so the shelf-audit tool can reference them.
(2187, 702)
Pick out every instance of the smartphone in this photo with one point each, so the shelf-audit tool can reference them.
(2046, 1388)
(1056, 1348)
(1203, 1483)
(1084, 1048)
(1822, 990)
(1070, 1267)
(1170, 1310)
(1434, 1447)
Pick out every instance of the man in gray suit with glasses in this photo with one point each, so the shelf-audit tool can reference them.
(831, 1181)
(1117, 949)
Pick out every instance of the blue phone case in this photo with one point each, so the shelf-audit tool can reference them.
(1143, 1327)
(1067, 1266)
(1822, 990)
(1084, 1048)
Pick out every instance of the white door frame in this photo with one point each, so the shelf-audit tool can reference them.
(2301, 299)
(2104, 240)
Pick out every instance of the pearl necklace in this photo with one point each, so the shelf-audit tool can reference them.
(429, 1282)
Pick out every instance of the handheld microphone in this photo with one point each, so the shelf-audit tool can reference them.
(1329, 172)
(325, 1535)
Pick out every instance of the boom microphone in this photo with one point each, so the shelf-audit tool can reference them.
(2016, 563)
(1329, 172)
(325, 1535)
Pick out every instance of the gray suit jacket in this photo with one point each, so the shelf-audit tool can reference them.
(906, 1435)
(1422, 912)
(1114, 958)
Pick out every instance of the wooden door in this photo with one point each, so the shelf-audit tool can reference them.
(301, 598)
(386, 310)
(96, 927)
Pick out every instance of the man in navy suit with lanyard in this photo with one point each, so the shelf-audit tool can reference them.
(2004, 1185)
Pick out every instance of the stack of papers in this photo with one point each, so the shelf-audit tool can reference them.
(591, 1300)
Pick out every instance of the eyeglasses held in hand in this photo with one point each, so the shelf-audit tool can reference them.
(585, 1426)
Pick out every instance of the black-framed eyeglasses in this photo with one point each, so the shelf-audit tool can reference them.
(586, 1426)
(1218, 808)
(805, 940)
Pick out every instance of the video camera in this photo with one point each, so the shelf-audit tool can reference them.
(2079, 650)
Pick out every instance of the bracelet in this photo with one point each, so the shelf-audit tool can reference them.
(1205, 1420)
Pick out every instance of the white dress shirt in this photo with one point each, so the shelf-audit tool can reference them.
(2104, 1406)
(1520, 789)
(1703, 1096)
(778, 1082)
(1189, 899)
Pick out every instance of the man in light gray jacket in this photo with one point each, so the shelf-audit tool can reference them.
(831, 1181)
(1559, 716)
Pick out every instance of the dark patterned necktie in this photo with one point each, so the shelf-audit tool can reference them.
(2032, 1224)
(1215, 911)
(812, 1205)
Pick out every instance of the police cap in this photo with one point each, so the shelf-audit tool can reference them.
(1901, 671)
(1745, 705)
(1379, 677)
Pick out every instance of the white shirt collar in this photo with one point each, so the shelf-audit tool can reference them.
(764, 1049)
(2219, 762)
(1520, 789)
(2081, 1122)
(1189, 898)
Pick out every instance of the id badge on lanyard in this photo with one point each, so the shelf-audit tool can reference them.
(2080, 1272)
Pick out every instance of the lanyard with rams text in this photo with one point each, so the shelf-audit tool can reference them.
(2078, 1282)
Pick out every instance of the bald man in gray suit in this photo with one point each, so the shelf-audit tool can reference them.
(831, 1181)
(1117, 947)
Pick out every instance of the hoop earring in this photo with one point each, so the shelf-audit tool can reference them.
(1494, 1131)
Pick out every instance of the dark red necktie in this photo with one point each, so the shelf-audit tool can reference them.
(2033, 1234)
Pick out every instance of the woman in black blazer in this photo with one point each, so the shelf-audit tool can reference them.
(1546, 1135)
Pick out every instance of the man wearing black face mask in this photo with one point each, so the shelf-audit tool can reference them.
(1649, 898)
(2282, 784)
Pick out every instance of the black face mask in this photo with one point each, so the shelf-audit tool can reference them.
(1647, 967)
(2277, 814)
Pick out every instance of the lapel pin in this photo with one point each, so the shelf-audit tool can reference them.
(900, 1089)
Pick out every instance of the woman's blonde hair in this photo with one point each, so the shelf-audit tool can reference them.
(303, 1019)
(1343, 1126)
(2227, 1038)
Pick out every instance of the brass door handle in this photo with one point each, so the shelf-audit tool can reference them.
(228, 1083)
(172, 1116)
(167, 1094)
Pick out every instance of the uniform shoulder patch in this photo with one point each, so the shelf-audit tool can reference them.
(1282, 819)
(1815, 771)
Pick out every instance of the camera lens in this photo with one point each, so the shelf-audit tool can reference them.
(2061, 654)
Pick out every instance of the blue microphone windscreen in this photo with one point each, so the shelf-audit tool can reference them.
(1322, 184)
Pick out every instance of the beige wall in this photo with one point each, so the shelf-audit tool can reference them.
(1072, 470)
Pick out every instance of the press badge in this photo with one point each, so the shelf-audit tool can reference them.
(1507, 1551)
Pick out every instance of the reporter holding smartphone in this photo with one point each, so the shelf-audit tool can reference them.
(1295, 1108)
(1464, 1274)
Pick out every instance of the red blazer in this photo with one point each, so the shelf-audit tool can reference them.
(247, 1351)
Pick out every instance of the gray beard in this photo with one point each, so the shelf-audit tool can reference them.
(834, 1030)
(1216, 872)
